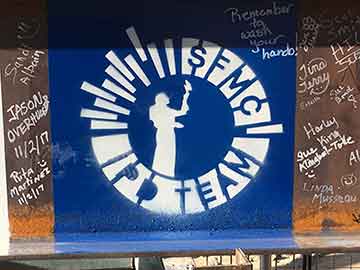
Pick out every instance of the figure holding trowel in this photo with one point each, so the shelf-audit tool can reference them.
(164, 120)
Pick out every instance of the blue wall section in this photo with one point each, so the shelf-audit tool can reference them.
(85, 201)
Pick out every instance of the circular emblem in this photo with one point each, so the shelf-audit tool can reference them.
(179, 127)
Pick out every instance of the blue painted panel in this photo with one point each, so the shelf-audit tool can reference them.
(174, 242)
(179, 193)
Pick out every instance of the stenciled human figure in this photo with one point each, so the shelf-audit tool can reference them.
(164, 120)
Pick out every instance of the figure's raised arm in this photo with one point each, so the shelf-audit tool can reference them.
(184, 106)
